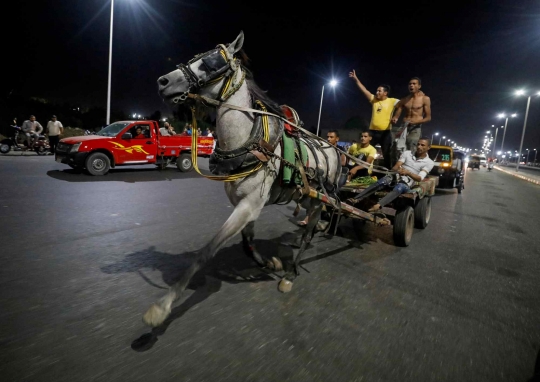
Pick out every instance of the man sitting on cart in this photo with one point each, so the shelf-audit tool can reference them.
(410, 168)
(363, 151)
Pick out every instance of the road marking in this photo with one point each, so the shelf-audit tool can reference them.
(535, 181)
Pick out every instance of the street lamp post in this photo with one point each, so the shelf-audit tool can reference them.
(505, 126)
(521, 92)
(440, 140)
(535, 152)
(110, 66)
(432, 137)
(495, 143)
(333, 83)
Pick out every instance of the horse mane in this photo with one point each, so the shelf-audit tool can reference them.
(257, 94)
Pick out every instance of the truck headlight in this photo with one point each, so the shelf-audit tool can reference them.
(75, 147)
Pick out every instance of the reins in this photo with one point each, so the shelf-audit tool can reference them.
(211, 102)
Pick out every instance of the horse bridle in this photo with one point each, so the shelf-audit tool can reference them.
(217, 64)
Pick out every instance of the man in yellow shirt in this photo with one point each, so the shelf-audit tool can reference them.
(380, 125)
(364, 151)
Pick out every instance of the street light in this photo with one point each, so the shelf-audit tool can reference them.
(440, 140)
(522, 92)
(502, 115)
(110, 66)
(535, 152)
(432, 136)
(333, 83)
(495, 142)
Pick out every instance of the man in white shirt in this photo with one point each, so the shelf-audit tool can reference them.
(55, 129)
(410, 168)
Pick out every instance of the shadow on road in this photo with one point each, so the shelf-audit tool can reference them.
(536, 375)
(127, 175)
(230, 265)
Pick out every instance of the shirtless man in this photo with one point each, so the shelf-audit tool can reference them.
(417, 107)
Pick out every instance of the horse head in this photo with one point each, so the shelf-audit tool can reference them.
(204, 74)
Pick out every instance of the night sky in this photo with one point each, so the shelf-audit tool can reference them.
(471, 56)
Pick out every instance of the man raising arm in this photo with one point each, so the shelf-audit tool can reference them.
(382, 108)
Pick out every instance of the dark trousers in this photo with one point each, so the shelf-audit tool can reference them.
(383, 138)
(53, 142)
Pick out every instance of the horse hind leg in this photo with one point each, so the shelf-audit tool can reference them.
(248, 234)
(286, 283)
(242, 214)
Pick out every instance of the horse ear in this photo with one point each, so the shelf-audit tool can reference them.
(236, 45)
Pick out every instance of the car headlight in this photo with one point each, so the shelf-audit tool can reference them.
(75, 147)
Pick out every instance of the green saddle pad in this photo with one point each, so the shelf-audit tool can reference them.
(292, 149)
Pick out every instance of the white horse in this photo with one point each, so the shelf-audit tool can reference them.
(249, 126)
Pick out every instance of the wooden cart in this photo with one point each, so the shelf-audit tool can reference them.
(404, 213)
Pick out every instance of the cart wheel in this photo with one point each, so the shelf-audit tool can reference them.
(422, 212)
(403, 227)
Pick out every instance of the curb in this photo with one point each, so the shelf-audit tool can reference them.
(517, 175)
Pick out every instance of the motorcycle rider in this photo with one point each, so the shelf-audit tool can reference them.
(32, 129)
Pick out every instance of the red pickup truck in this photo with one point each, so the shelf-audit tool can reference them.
(122, 143)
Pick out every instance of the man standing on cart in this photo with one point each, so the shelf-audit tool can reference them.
(380, 127)
(410, 168)
(417, 107)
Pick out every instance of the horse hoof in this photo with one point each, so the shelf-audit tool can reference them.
(285, 286)
(155, 315)
(275, 264)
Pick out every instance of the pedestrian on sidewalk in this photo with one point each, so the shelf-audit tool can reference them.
(54, 129)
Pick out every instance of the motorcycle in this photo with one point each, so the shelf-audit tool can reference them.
(490, 166)
(40, 146)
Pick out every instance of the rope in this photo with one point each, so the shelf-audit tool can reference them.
(212, 102)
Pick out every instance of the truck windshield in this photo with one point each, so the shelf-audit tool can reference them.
(440, 155)
(113, 129)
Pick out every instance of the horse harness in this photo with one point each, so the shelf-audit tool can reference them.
(231, 165)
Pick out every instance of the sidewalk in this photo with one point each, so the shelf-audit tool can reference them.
(23, 153)
(531, 175)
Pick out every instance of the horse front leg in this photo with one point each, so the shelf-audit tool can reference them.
(243, 213)
(286, 283)
(248, 235)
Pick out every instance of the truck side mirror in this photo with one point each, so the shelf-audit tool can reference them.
(127, 136)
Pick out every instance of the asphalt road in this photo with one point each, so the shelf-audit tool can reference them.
(83, 257)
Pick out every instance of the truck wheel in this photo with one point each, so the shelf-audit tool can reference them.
(4, 148)
(184, 162)
(422, 212)
(98, 164)
(403, 227)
